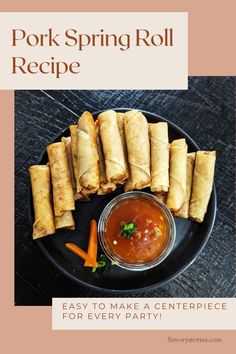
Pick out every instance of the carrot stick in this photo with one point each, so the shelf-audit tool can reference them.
(93, 243)
(79, 252)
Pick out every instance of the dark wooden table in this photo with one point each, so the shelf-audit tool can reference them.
(206, 111)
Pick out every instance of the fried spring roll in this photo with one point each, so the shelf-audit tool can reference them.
(65, 221)
(128, 186)
(178, 174)
(77, 196)
(87, 153)
(112, 147)
(137, 140)
(159, 157)
(63, 196)
(73, 134)
(121, 125)
(161, 196)
(67, 142)
(43, 212)
(202, 184)
(105, 187)
(183, 211)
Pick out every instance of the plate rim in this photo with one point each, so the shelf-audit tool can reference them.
(140, 289)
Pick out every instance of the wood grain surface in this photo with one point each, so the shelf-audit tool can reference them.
(206, 111)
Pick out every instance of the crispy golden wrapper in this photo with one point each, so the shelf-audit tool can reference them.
(138, 147)
(203, 179)
(159, 157)
(105, 187)
(112, 147)
(63, 195)
(43, 211)
(87, 154)
(65, 221)
(183, 211)
(178, 174)
(73, 135)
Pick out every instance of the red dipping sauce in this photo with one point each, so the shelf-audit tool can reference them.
(150, 238)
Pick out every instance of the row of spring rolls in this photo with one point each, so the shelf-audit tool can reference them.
(119, 148)
(191, 177)
(98, 152)
(53, 213)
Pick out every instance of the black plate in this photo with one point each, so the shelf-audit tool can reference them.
(191, 237)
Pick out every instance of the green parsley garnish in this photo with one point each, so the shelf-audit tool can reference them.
(128, 228)
(104, 265)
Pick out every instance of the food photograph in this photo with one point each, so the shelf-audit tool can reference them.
(125, 193)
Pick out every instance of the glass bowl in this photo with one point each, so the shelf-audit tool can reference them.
(169, 225)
